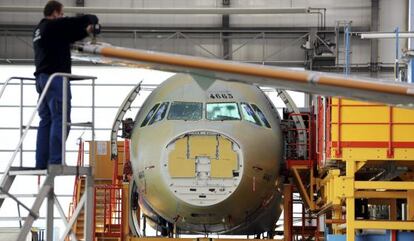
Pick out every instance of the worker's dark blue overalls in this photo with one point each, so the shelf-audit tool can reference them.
(51, 43)
(49, 134)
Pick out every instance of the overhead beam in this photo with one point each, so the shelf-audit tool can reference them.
(379, 35)
(39, 9)
(11, 27)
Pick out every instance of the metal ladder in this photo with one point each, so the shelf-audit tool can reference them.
(345, 51)
(297, 119)
(47, 189)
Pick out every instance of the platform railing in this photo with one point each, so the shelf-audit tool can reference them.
(21, 85)
(6, 83)
(65, 77)
(46, 190)
(76, 186)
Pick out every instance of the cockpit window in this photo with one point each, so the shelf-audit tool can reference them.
(149, 115)
(185, 111)
(261, 115)
(160, 114)
(222, 111)
(249, 115)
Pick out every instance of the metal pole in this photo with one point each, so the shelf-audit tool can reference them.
(89, 203)
(288, 212)
(135, 39)
(21, 121)
(385, 35)
(93, 109)
(223, 50)
(49, 211)
(64, 117)
(263, 47)
(374, 42)
(324, 129)
(5, 44)
(347, 50)
(88, 228)
(93, 123)
(19, 214)
(337, 43)
(397, 54)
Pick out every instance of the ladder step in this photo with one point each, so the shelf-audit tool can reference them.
(82, 124)
(31, 127)
(54, 169)
(3, 196)
(14, 171)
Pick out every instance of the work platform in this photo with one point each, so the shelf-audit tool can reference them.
(361, 162)
(364, 161)
(52, 170)
(46, 191)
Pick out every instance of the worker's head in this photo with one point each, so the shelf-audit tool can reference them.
(53, 10)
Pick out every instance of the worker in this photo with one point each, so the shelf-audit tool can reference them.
(51, 42)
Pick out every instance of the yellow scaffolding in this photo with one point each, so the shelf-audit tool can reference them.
(369, 131)
(359, 134)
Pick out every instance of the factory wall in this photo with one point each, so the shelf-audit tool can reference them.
(392, 14)
(17, 45)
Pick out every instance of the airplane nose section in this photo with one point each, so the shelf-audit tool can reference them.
(202, 168)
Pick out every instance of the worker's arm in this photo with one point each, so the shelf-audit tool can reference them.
(69, 29)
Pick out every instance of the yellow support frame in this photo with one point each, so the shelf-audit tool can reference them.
(392, 185)
(388, 225)
(385, 194)
(344, 188)
(410, 205)
(361, 131)
(350, 201)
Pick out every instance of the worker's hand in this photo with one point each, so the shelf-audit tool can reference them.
(93, 29)
(89, 29)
